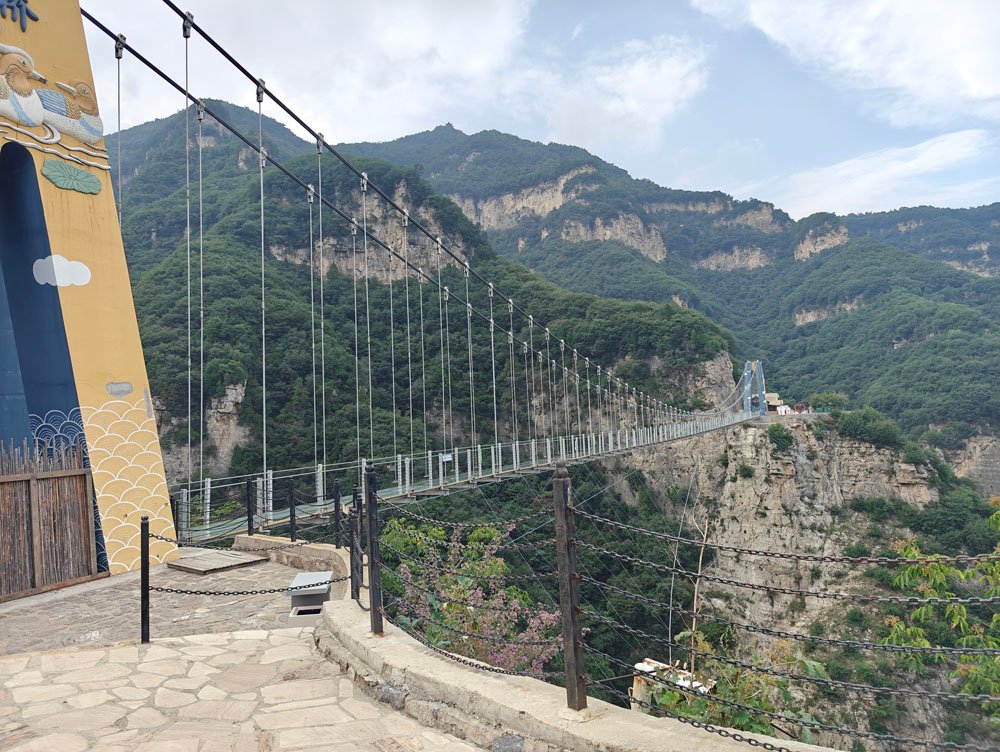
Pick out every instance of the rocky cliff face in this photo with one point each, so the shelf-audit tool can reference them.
(628, 229)
(751, 495)
(979, 460)
(819, 240)
(348, 257)
(223, 433)
(741, 257)
(508, 210)
(809, 315)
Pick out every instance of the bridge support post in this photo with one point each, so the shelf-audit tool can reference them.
(374, 559)
(569, 590)
(249, 503)
(144, 580)
(293, 526)
(354, 544)
(338, 515)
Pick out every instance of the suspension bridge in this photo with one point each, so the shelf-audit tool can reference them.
(454, 384)
(501, 396)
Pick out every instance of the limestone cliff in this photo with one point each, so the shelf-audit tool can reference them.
(818, 240)
(508, 210)
(809, 315)
(348, 257)
(979, 459)
(741, 257)
(627, 228)
(223, 433)
(761, 219)
(750, 494)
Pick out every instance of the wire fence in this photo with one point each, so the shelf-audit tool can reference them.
(448, 583)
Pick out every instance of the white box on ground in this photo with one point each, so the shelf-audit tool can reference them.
(307, 601)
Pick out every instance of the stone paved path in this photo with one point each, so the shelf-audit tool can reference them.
(243, 691)
(107, 611)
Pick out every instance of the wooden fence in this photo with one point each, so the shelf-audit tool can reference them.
(47, 537)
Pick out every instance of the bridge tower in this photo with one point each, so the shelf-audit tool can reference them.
(71, 362)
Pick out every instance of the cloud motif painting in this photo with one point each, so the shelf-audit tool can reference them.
(59, 271)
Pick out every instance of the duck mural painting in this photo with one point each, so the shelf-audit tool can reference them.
(71, 363)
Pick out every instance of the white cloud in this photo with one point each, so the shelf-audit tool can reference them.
(626, 95)
(887, 178)
(60, 271)
(921, 61)
(356, 71)
(577, 31)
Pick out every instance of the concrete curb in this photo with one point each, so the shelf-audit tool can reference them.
(495, 711)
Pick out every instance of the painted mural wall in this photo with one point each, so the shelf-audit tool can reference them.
(71, 361)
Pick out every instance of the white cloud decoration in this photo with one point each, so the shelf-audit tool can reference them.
(60, 271)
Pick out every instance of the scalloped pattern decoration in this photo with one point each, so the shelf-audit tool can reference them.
(128, 477)
(64, 175)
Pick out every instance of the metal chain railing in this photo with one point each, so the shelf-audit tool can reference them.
(826, 594)
(817, 725)
(463, 525)
(267, 591)
(470, 662)
(819, 681)
(459, 573)
(451, 599)
(707, 727)
(961, 559)
(476, 544)
(911, 649)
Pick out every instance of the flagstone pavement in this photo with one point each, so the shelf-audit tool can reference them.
(106, 611)
(244, 691)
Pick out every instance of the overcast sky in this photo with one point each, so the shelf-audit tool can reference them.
(825, 105)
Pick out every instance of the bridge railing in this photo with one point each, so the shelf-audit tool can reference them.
(217, 508)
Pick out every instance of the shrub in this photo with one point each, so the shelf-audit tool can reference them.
(869, 425)
(780, 437)
(744, 471)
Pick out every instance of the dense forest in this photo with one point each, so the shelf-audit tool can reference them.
(888, 314)
(610, 332)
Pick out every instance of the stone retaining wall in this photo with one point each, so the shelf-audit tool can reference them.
(501, 713)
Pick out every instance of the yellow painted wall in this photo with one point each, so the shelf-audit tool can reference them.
(101, 327)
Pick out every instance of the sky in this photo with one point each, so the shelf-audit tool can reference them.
(825, 105)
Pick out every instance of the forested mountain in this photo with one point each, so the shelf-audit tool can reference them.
(897, 309)
(626, 334)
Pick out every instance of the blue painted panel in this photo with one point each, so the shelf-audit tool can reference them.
(33, 309)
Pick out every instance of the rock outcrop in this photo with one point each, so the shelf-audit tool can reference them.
(979, 460)
(509, 209)
(761, 219)
(810, 315)
(818, 240)
(223, 433)
(741, 257)
(627, 228)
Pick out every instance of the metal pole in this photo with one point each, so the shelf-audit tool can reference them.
(569, 590)
(291, 510)
(250, 501)
(355, 547)
(374, 561)
(144, 580)
(338, 515)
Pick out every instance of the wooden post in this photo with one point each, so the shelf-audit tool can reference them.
(144, 580)
(569, 590)
(374, 560)
(36, 534)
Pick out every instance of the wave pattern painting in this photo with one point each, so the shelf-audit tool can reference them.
(128, 477)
